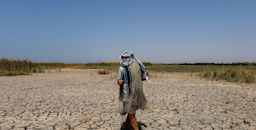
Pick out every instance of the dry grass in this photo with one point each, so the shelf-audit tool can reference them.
(238, 74)
(18, 67)
(185, 68)
(246, 73)
(103, 72)
(10, 67)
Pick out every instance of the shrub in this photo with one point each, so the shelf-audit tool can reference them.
(103, 72)
(207, 74)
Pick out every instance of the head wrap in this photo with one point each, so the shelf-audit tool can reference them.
(127, 58)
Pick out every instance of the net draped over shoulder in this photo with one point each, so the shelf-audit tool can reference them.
(134, 99)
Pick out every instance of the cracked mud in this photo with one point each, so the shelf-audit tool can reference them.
(81, 99)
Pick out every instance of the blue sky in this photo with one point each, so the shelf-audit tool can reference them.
(166, 31)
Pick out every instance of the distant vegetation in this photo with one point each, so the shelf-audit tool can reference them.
(235, 72)
(226, 64)
(232, 72)
(108, 66)
(18, 67)
(9, 67)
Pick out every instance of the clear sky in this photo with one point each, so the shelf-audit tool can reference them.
(166, 31)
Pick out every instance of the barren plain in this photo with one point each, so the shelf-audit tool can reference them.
(76, 99)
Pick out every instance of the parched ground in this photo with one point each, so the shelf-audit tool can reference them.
(82, 99)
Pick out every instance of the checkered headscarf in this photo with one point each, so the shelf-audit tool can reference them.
(127, 58)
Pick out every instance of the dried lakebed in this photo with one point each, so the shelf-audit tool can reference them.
(82, 99)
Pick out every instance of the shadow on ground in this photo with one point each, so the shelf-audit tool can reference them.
(140, 124)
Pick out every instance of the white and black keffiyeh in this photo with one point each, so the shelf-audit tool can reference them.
(127, 58)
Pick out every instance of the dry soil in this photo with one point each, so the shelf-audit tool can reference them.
(82, 99)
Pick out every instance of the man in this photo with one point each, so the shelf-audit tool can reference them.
(131, 96)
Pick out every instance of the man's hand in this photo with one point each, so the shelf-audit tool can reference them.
(120, 83)
(144, 77)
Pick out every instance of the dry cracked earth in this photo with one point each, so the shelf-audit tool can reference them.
(81, 99)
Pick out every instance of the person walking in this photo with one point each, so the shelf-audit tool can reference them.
(131, 97)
